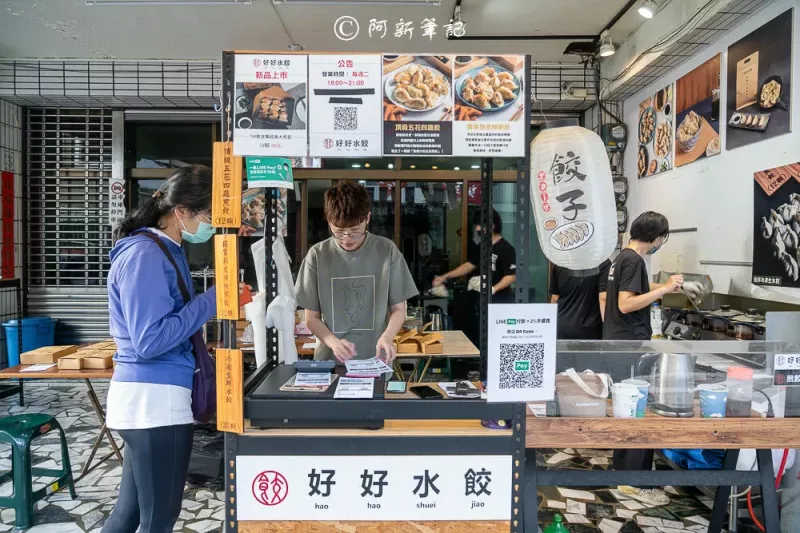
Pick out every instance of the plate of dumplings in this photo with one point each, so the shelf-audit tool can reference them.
(417, 88)
(489, 88)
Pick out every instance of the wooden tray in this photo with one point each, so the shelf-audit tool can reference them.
(396, 64)
(707, 134)
(477, 62)
(512, 63)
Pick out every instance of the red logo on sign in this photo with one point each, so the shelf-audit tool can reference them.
(257, 62)
(545, 197)
(117, 188)
(542, 176)
(780, 379)
(270, 488)
(546, 207)
(542, 186)
(328, 143)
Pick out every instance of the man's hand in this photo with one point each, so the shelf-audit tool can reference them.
(438, 280)
(386, 347)
(342, 349)
(673, 284)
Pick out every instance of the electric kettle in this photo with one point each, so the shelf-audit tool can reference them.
(671, 382)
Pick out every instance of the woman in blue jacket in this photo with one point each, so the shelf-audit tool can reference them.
(150, 396)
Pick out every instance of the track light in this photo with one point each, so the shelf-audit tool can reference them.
(647, 9)
(607, 47)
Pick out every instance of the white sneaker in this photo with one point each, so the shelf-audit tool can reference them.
(653, 497)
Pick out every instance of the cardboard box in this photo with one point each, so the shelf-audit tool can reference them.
(98, 360)
(46, 355)
(105, 345)
(73, 361)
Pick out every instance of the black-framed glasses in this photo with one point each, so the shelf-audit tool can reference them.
(340, 235)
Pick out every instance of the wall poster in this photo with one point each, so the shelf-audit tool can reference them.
(776, 228)
(697, 105)
(489, 108)
(270, 105)
(345, 94)
(759, 83)
(655, 133)
(417, 105)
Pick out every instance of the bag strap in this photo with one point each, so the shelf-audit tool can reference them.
(181, 283)
(575, 377)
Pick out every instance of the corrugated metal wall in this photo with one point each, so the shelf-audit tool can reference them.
(69, 166)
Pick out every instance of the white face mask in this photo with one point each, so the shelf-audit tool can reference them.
(476, 236)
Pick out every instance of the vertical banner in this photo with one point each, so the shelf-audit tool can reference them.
(226, 194)
(489, 109)
(345, 94)
(230, 406)
(7, 194)
(226, 266)
(418, 105)
(271, 105)
(116, 201)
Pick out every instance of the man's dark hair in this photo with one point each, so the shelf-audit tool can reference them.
(347, 204)
(497, 222)
(649, 226)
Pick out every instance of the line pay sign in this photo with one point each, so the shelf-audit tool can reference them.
(269, 172)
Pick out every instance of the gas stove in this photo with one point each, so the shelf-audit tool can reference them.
(721, 323)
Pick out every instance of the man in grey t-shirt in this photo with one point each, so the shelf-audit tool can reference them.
(354, 285)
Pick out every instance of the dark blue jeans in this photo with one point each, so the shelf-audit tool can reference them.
(153, 478)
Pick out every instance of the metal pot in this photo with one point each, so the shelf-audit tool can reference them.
(671, 382)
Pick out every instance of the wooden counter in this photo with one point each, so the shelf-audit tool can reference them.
(394, 428)
(54, 373)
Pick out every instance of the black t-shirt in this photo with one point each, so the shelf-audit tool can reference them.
(627, 273)
(579, 302)
(504, 263)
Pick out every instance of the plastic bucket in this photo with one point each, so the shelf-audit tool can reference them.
(37, 331)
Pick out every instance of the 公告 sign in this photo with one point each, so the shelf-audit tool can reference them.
(385, 488)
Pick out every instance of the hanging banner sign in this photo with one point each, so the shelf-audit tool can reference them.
(269, 172)
(7, 207)
(230, 401)
(116, 201)
(418, 105)
(522, 352)
(271, 105)
(489, 110)
(345, 95)
(226, 266)
(374, 488)
(226, 196)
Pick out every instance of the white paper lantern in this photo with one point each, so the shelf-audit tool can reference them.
(572, 196)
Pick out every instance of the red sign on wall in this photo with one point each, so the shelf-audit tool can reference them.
(7, 210)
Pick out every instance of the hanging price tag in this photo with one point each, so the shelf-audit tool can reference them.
(230, 410)
(226, 265)
(226, 203)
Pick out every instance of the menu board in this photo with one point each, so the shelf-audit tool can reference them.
(489, 108)
(270, 105)
(417, 105)
(656, 133)
(345, 94)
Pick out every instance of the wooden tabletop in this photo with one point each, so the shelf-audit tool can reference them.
(394, 428)
(54, 373)
(655, 431)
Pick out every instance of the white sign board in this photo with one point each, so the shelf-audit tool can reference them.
(116, 201)
(345, 95)
(270, 105)
(522, 352)
(374, 488)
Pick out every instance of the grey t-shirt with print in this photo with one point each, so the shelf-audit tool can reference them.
(354, 290)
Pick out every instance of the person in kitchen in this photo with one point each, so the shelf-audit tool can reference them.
(504, 261)
(629, 295)
(354, 285)
(150, 395)
(581, 301)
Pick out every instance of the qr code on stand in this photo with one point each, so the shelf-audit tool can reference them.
(521, 366)
(345, 118)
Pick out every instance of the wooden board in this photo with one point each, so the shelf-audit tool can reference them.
(396, 64)
(707, 134)
(394, 428)
(226, 192)
(55, 373)
(230, 395)
(512, 63)
(226, 266)
(477, 62)
(454, 344)
(446, 66)
(771, 180)
(374, 527)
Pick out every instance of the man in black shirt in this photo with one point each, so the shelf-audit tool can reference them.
(504, 262)
(629, 297)
(581, 302)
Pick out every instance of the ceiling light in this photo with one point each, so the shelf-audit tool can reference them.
(362, 2)
(366, 165)
(413, 167)
(296, 47)
(391, 166)
(356, 166)
(166, 3)
(475, 167)
(607, 47)
(434, 167)
(647, 9)
(456, 168)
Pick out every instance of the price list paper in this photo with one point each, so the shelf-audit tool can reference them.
(345, 95)
(226, 265)
(226, 194)
(230, 410)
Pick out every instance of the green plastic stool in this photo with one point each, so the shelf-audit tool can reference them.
(19, 431)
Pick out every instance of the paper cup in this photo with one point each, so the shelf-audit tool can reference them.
(713, 399)
(644, 388)
(625, 400)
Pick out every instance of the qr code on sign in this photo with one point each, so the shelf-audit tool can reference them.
(521, 366)
(345, 118)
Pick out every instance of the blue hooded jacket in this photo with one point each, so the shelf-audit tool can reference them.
(149, 321)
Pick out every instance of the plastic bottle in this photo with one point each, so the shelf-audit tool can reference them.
(557, 526)
(740, 391)
(655, 321)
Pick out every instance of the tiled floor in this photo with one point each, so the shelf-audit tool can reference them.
(585, 511)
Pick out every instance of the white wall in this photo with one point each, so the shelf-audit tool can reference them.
(715, 195)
